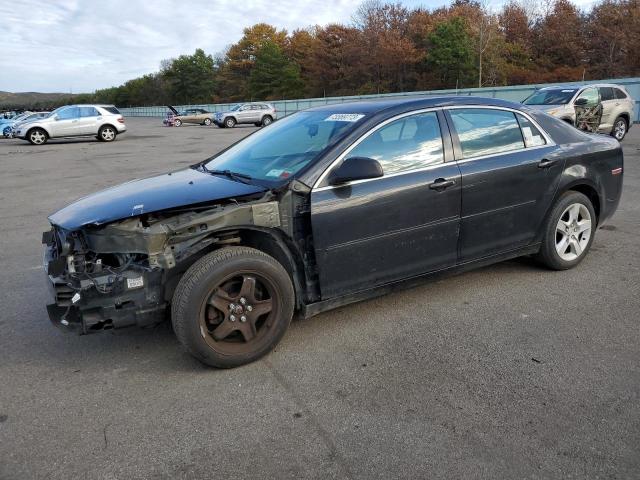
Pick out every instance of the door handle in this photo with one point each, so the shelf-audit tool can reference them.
(440, 184)
(546, 163)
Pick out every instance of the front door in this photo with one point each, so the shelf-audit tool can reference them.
(371, 232)
(608, 108)
(510, 172)
(66, 122)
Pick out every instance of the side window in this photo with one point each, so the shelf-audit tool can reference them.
(591, 94)
(68, 113)
(531, 134)
(484, 131)
(409, 143)
(619, 94)
(88, 112)
(606, 93)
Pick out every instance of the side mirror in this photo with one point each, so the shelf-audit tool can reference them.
(355, 168)
(581, 102)
(56, 118)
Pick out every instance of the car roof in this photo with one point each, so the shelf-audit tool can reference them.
(404, 103)
(556, 87)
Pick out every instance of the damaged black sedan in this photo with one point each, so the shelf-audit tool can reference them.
(325, 207)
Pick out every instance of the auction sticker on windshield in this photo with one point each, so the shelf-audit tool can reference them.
(344, 117)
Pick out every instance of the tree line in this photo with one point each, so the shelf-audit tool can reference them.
(390, 48)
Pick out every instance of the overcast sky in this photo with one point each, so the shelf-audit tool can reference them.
(79, 46)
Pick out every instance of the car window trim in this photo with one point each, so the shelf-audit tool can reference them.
(341, 157)
(457, 149)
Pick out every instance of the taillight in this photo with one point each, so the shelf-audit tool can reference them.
(121, 120)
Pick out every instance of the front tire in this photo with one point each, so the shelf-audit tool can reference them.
(230, 122)
(177, 122)
(620, 128)
(37, 136)
(568, 232)
(107, 133)
(232, 306)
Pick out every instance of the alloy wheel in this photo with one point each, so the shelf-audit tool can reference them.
(108, 134)
(573, 232)
(239, 312)
(620, 129)
(37, 137)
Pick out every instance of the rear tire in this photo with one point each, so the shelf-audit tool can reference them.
(107, 133)
(232, 306)
(37, 136)
(619, 129)
(568, 232)
(207, 122)
(266, 120)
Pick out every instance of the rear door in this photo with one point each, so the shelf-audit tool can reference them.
(89, 121)
(510, 171)
(375, 231)
(608, 100)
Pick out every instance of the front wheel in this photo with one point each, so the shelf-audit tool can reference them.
(107, 133)
(619, 129)
(232, 306)
(568, 232)
(37, 136)
(177, 122)
(230, 122)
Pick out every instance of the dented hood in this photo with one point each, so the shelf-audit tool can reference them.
(171, 190)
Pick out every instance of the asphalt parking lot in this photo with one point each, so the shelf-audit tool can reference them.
(511, 371)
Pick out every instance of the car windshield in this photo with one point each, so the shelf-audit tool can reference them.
(237, 107)
(279, 151)
(556, 96)
(22, 116)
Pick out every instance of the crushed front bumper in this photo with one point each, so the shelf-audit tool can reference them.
(102, 302)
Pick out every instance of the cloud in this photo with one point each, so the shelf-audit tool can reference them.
(72, 45)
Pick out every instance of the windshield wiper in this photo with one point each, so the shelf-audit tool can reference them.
(238, 177)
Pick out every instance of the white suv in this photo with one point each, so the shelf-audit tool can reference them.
(101, 121)
(618, 111)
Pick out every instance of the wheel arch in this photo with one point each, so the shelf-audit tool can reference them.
(269, 241)
(627, 118)
(39, 127)
(588, 189)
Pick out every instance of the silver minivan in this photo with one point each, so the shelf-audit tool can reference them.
(260, 114)
(560, 101)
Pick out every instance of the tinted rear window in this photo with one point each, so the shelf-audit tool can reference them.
(113, 110)
(606, 93)
(619, 94)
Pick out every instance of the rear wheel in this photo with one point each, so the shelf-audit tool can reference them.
(619, 128)
(37, 136)
(568, 232)
(266, 120)
(232, 306)
(230, 122)
(207, 121)
(107, 133)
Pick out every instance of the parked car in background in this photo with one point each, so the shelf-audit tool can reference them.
(198, 116)
(11, 119)
(325, 207)
(7, 126)
(617, 105)
(102, 121)
(260, 114)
